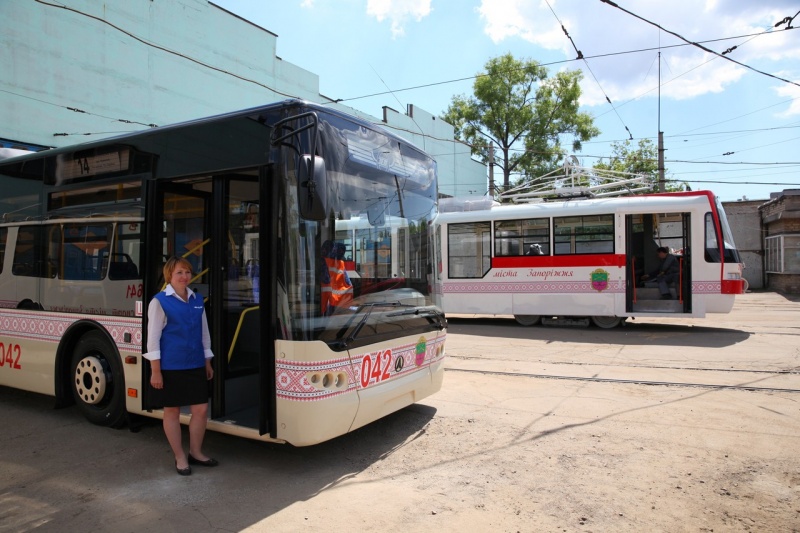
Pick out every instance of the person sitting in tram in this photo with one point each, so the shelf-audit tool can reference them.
(668, 272)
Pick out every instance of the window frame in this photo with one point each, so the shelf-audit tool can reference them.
(578, 238)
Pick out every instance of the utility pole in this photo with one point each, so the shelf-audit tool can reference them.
(491, 169)
(661, 183)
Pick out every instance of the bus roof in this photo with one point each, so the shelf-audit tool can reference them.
(222, 117)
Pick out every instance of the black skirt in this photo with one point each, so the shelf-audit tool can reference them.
(185, 387)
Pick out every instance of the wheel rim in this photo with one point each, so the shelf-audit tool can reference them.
(91, 380)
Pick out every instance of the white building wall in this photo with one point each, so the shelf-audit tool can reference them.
(82, 70)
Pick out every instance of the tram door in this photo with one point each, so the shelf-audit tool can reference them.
(645, 233)
(213, 222)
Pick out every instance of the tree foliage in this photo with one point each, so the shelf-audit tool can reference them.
(524, 113)
(643, 160)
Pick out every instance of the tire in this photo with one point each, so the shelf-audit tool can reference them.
(607, 322)
(527, 320)
(97, 381)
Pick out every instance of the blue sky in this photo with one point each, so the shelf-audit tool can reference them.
(416, 51)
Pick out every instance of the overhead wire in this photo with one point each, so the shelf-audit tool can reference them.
(700, 46)
(589, 68)
(787, 22)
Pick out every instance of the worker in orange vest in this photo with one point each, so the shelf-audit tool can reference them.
(336, 287)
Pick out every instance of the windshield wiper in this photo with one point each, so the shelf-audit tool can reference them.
(342, 343)
(426, 312)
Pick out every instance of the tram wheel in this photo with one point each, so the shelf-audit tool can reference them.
(527, 320)
(96, 381)
(607, 322)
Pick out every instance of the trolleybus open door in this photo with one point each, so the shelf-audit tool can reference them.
(215, 223)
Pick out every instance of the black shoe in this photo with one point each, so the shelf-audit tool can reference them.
(207, 462)
(663, 297)
(183, 471)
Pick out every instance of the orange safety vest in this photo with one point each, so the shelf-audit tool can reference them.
(338, 291)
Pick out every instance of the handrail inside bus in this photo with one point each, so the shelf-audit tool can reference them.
(238, 329)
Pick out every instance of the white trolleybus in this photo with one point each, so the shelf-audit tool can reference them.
(581, 260)
(249, 198)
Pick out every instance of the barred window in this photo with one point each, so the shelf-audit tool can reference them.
(783, 254)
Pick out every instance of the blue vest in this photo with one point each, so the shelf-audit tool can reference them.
(182, 336)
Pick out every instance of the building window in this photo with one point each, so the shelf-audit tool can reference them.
(783, 254)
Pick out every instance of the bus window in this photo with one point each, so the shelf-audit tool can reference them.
(84, 251)
(592, 234)
(522, 237)
(3, 240)
(469, 250)
(123, 261)
(28, 253)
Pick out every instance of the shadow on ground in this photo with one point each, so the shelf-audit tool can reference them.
(60, 473)
(630, 333)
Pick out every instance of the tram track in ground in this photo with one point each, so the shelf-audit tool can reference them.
(633, 381)
(795, 371)
(692, 372)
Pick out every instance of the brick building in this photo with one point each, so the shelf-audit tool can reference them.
(780, 223)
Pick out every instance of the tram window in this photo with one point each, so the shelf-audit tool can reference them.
(521, 237)
(590, 234)
(712, 245)
(468, 249)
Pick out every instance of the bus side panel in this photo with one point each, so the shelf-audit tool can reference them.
(406, 374)
(316, 392)
(31, 339)
(27, 352)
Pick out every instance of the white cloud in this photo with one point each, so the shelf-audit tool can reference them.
(790, 91)
(686, 71)
(399, 12)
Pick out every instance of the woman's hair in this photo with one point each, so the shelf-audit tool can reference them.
(173, 263)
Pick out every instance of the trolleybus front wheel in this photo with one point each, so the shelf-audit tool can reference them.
(97, 383)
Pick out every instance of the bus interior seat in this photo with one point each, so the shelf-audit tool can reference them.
(243, 354)
(122, 270)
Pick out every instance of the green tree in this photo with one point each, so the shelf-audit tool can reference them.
(524, 114)
(642, 160)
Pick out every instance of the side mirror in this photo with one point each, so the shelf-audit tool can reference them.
(312, 187)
